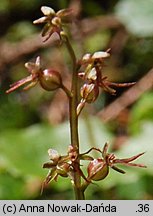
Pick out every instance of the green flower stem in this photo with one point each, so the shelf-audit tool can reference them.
(73, 101)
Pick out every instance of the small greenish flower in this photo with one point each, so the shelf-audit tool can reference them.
(54, 21)
(98, 168)
(64, 165)
(91, 71)
(48, 79)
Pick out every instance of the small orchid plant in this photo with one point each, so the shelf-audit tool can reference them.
(89, 69)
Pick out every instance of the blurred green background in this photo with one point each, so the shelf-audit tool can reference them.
(34, 121)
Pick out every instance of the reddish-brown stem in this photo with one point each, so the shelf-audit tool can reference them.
(73, 102)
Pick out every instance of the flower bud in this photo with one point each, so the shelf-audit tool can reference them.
(50, 79)
(97, 170)
(89, 92)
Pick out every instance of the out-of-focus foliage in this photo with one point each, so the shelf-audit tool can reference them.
(96, 41)
(137, 16)
(25, 131)
(142, 111)
(20, 30)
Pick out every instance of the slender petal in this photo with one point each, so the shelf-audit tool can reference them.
(40, 20)
(49, 165)
(50, 177)
(64, 12)
(127, 160)
(119, 84)
(107, 88)
(19, 83)
(31, 85)
(37, 61)
(105, 149)
(133, 164)
(66, 15)
(48, 34)
(47, 28)
(118, 169)
(80, 106)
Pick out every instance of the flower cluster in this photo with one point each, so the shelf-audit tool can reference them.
(92, 75)
(98, 168)
(53, 21)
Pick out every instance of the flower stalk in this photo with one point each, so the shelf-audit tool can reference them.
(73, 102)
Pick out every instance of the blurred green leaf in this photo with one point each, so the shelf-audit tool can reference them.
(141, 111)
(20, 30)
(11, 187)
(97, 41)
(13, 114)
(137, 16)
(135, 190)
(24, 4)
(141, 189)
(92, 7)
(141, 142)
(4, 6)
